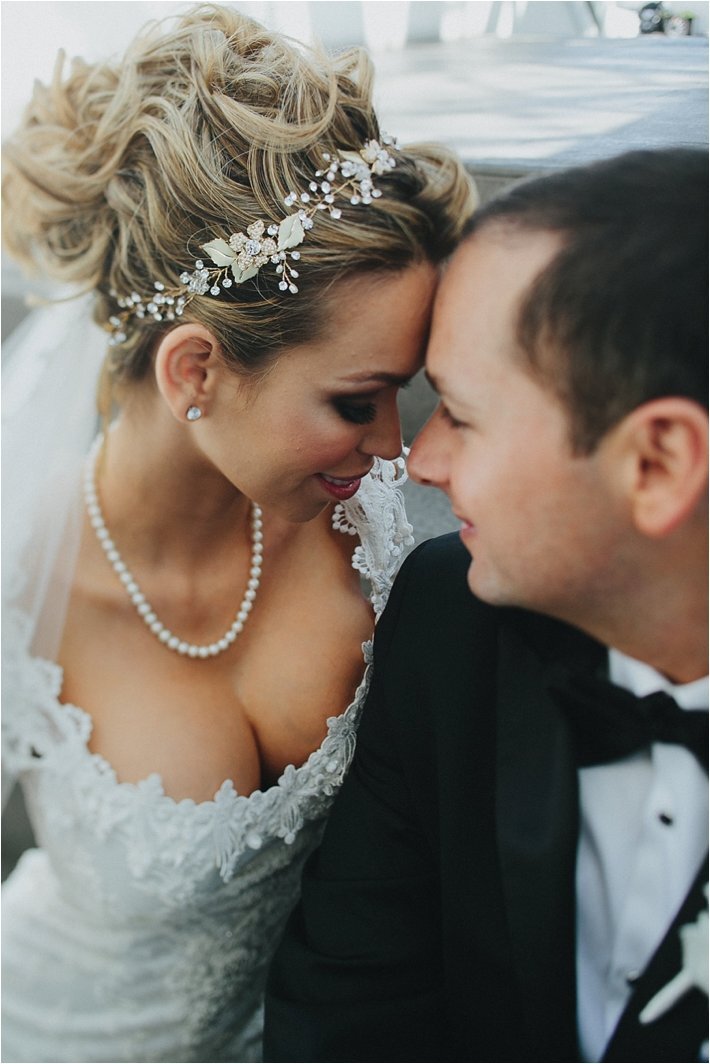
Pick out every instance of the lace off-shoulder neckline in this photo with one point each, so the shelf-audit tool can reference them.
(41, 732)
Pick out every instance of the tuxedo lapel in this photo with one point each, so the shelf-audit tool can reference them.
(536, 809)
(679, 1033)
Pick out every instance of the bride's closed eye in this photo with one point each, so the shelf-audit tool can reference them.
(359, 413)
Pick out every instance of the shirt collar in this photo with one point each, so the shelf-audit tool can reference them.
(643, 679)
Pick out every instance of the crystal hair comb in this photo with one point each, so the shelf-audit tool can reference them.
(242, 255)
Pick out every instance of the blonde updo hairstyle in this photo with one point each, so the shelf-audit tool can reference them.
(121, 170)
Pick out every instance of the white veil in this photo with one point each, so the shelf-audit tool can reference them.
(51, 367)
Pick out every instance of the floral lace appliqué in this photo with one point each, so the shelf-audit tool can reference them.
(382, 541)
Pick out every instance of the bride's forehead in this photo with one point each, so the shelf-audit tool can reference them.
(378, 316)
(372, 337)
(365, 367)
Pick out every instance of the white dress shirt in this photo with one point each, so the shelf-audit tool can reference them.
(643, 835)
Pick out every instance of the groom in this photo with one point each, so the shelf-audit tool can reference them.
(516, 867)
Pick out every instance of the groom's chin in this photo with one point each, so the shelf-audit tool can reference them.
(471, 579)
(485, 586)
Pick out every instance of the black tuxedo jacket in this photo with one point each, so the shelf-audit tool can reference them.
(437, 918)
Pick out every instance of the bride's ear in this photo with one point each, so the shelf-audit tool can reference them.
(186, 369)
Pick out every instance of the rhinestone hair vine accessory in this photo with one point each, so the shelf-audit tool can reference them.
(242, 255)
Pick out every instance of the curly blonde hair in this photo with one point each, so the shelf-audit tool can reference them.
(120, 170)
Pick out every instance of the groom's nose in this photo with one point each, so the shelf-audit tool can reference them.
(428, 461)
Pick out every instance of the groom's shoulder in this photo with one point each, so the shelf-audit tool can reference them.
(433, 580)
(437, 568)
(431, 607)
(431, 599)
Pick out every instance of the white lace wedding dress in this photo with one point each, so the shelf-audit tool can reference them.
(142, 928)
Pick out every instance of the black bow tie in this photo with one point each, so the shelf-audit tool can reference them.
(610, 723)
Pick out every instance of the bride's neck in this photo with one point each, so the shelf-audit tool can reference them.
(159, 494)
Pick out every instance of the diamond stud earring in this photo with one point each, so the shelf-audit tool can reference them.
(193, 413)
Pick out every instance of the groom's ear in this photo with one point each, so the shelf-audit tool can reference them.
(666, 455)
(186, 368)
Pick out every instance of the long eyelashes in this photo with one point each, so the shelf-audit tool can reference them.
(357, 413)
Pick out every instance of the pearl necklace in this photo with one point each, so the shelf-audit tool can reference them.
(144, 608)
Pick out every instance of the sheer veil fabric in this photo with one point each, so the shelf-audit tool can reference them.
(51, 367)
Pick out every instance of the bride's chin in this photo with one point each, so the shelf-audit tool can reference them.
(309, 513)
(298, 509)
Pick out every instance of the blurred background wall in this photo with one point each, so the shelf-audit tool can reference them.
(33, 32)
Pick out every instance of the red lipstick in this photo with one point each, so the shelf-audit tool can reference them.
(340, 488)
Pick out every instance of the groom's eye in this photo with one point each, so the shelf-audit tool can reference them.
(449, 418)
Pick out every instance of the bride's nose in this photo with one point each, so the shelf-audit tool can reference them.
(383, 436)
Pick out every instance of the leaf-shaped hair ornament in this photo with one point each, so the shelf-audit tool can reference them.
(240, 257)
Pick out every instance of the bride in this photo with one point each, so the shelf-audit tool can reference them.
(184, 623)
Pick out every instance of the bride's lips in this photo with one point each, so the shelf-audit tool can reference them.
(340, 487)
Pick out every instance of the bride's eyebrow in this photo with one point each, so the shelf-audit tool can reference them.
(398, 379)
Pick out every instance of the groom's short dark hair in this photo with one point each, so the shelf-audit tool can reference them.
(619, 316)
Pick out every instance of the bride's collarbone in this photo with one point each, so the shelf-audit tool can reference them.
(243, 715)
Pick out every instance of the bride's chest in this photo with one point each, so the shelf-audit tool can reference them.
(243, 716)
(110, 838)
(129, 847)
